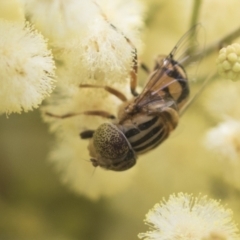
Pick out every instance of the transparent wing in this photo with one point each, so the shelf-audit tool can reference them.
(170, 72)
(189, 46)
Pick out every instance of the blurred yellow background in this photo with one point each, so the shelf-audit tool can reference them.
(34, 204)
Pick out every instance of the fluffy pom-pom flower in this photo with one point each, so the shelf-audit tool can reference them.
(225, 139)
(70, 154)
(60, 20)
(87, 41)
(228, 62)
(70, 157)
(184, 217)
(220, 100)
(26, 68)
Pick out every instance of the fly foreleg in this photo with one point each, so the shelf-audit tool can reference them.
(110, 90)
(99, 113)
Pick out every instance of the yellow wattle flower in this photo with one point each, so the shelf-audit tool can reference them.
(228, 62)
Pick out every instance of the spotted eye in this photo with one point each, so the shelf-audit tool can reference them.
(110, 142)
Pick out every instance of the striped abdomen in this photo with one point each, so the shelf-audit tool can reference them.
(147, 132)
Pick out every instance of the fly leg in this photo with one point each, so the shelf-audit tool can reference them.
(87, 133)
(135, 64)
(134, 68)
(99, 113)
(145, 68)
(111, 90)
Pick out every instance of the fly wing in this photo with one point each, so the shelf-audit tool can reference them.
(156, 81)
(169, 78)
(189, 50)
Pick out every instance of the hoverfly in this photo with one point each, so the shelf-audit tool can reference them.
(147, 119)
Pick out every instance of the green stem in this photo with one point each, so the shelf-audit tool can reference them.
(195, 12)
(193, 22)
(215, 46)
(225, 40)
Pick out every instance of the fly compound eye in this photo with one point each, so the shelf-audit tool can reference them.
(111, 148)
(110, 142)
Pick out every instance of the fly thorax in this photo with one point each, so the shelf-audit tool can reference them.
(126, 109)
